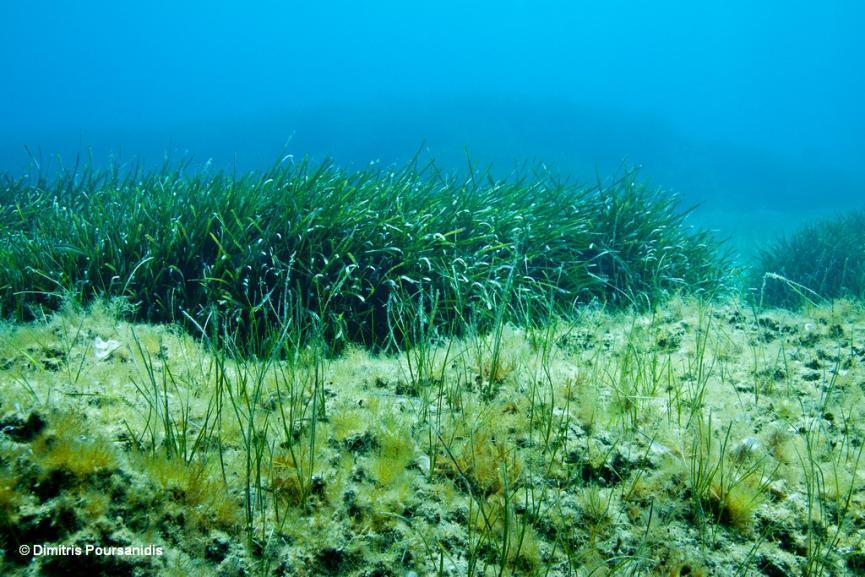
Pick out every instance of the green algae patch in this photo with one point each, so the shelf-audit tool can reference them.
(707, 439)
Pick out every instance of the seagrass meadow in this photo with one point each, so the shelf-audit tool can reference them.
(397, 372)
(341, 249)
(821, 260)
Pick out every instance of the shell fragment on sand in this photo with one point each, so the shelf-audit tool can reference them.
(103, 349)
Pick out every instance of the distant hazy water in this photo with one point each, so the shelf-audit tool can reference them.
(752, 108)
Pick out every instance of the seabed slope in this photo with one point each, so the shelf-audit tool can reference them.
(698, 440)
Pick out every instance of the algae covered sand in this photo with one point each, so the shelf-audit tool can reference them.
(318, 371)
(699, 440)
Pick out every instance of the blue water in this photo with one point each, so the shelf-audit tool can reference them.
(754, 108)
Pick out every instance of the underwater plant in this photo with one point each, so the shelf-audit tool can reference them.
(336, 248)
(821, 260)
(536, 383)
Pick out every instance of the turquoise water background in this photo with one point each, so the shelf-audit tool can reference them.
(752, 108)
